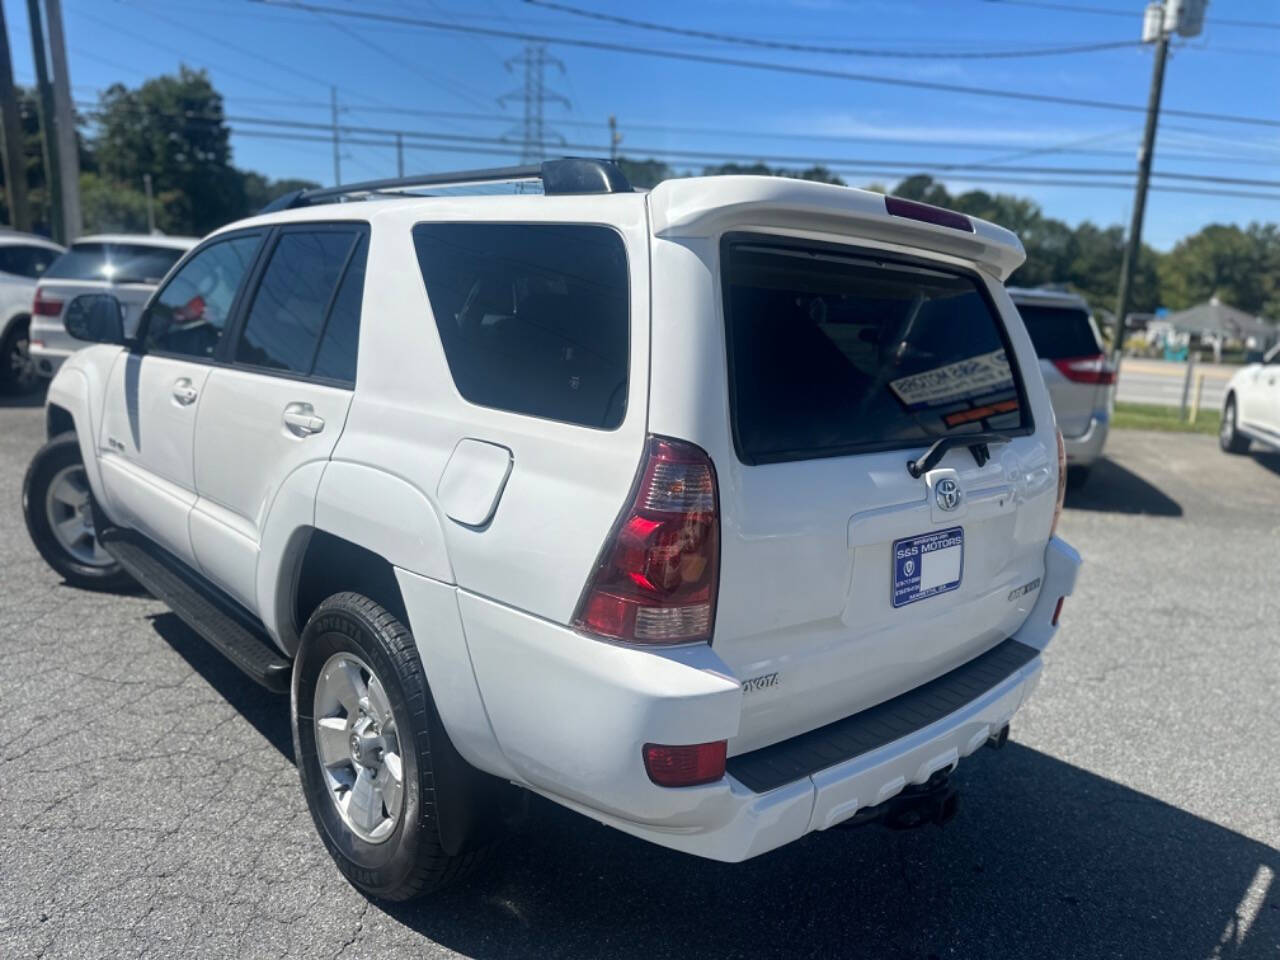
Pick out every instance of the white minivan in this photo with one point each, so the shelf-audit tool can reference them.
(721, 513)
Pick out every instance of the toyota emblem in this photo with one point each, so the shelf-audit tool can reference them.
(947, 492)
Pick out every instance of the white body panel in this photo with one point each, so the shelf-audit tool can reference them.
(494, 520)
(1256, 389)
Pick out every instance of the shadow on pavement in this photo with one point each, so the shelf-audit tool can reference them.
(1044, 860)
(1269, 460)
(12, 401)
(268, 712)
(1113, 489)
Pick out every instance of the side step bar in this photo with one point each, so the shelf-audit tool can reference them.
(217, 618)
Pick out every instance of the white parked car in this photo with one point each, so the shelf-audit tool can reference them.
(24, 258)
(1080, 378)
(1251, 407)
(128, 266)
(720, 514)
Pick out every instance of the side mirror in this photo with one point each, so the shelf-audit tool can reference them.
(96, 317)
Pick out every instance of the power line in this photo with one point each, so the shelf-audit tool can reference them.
(767, 66)
(1109, 12)
(794, 47)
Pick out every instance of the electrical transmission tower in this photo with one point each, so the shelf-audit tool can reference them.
(535, 94)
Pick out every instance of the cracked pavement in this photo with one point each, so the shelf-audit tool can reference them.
(149, 805)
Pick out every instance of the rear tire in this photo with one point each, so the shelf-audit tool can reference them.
(59, 509)
(18, 375)
(1229, 438)
(358, 681)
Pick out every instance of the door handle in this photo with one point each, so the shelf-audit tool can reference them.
(184, 392)
(301, 419)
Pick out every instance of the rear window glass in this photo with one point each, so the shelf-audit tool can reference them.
(1060, 332)
(117, 262)
(833, 351)
(533, 317)
(27, 261)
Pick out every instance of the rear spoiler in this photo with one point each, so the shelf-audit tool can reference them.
(708, 206)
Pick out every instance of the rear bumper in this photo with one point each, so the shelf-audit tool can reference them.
(570, 715)
(1086, 448)
(51, 344)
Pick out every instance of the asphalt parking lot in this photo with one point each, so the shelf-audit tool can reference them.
(149, 803)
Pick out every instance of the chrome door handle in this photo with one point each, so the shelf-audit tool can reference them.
(301, 419)
(184, 392)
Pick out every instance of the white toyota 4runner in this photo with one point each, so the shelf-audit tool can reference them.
(721, 514)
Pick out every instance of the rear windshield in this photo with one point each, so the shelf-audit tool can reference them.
(117, 262)
(1060, 332)
(834, 351)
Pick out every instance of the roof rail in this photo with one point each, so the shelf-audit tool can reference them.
(567, 175)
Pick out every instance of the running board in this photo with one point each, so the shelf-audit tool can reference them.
(215, 617)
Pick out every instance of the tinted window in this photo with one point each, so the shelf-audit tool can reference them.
(292, 300)
(1060, 332)
(117, 262)
(533, 317)
(832, 352)
(30, 262)
(337, 357)
(190, 312)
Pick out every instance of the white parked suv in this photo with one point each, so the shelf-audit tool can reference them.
(24, 258)
(127, 266)
(719, 514)
(1251, 406)
(1080, 378)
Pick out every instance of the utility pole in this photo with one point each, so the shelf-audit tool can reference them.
(1160, 20)
(399, 154)
(151, 213)
(615, 138)
(535, 95)
(15, 166)
(48, 141)
(337, 156)
(64, 124)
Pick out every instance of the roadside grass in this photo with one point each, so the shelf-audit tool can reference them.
(1152, 416)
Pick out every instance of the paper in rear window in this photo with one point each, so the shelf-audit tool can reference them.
(1060, 332)
(835, 351)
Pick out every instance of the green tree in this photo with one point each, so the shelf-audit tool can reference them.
(173, 128)
(645, 174)
(260, 190)
(1240, 267)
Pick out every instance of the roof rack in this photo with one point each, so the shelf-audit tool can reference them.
(567, 175)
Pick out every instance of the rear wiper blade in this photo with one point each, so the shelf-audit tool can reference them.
(976, 442)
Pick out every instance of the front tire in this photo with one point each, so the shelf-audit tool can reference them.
(58, 506)
(1229, 438)
(362, 733)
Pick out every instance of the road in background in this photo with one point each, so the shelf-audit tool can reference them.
(1161, 382)
(149, 802)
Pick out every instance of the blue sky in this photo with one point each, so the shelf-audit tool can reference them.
(275, 64)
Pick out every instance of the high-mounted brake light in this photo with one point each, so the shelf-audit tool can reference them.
(1062, 483)
(927, 213)
(659, 572)
(1091, 369)
(43, 306)
(685, 766)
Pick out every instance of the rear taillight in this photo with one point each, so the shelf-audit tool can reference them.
(1057, 610)
(1062, 483)
(927, 213)
(1092, 369)
(685, 766)
(658, 574)
(44, 306)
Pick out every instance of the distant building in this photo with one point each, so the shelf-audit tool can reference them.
(1217, 325)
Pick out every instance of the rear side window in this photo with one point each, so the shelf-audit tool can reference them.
(31, 262)
(117, 262)
(1060, 332)
(834, 351)
(292, 301)
(533, 317)
(338, 347)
